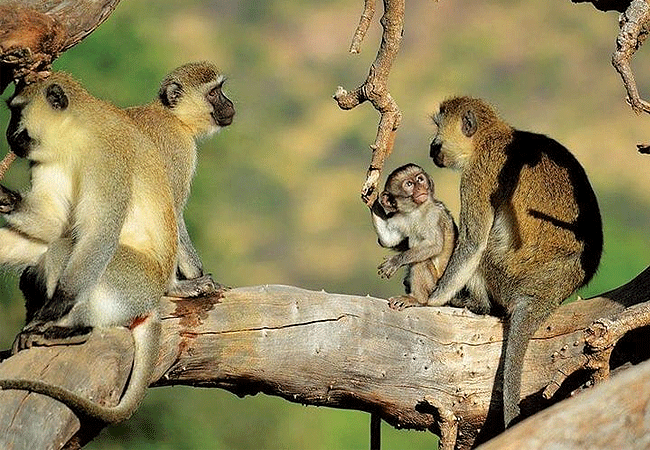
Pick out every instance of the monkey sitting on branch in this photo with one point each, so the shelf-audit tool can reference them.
(530, 231)
(190, 105)
(408, 218)
(97, 229)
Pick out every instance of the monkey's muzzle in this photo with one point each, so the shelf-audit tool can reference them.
(435, 152)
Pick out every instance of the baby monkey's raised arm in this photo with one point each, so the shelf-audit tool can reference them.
(408, 218)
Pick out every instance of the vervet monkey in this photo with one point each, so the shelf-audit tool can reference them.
(530, 232)
(190, 104)
(408, 218)
(97, 228)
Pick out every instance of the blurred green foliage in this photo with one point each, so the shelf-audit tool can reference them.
(276, 196)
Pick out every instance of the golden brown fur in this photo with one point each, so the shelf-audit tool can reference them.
(97, 228)
(530, 231)
(190, 105)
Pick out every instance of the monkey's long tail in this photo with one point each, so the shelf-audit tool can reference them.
(146, 336)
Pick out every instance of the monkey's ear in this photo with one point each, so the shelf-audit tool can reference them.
(388, 202)
(469, 123)
(170, 94)
(56, 97)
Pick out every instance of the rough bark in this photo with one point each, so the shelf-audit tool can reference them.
(422, 368)
(613, 415)
(33, 33)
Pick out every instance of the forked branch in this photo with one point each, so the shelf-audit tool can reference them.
(375, 88)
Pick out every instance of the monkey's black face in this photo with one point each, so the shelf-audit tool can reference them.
(223, 110)
(435, 152)
(19, 140)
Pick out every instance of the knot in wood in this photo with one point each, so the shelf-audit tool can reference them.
(597, 336)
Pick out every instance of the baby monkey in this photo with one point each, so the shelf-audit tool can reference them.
(409, 219)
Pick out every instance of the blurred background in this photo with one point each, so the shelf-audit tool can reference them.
(276, 198)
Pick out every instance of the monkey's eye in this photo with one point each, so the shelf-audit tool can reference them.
(420, 179)
(214, 92)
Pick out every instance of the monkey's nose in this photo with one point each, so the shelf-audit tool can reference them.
(434, 150)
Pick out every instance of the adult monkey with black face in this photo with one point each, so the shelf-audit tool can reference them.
(97, 227)
(190, 104)
(530, 231)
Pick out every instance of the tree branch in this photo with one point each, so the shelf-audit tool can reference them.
(612, 415)
(375, 88)
(422, 368)
(33, 33)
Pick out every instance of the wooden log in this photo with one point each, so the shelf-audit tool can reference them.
(422, 368)
(614, 414)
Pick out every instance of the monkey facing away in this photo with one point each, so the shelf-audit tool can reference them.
(530, 232)
(406, 214)
(190, 104)
(97, 228)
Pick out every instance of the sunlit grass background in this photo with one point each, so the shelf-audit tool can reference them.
(276, 195)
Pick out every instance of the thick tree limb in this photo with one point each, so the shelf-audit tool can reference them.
(33, 33)
(422, 368)
(612, 415)
(375, 88)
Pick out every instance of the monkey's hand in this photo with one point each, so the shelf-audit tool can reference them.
(8, 200)
(390, 265)
(39, 334)
(203, 286)
(403, 301)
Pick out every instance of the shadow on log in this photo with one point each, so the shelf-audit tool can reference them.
(422, 368)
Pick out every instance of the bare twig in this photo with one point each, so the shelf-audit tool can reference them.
(634, 24)
(364, 24)
(375, 89)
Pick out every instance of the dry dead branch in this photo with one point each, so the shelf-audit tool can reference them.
(422, 368)
(375, 88)
(6, 163)
(33, 33)
(634, 23)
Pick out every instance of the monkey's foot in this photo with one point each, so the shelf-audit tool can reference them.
(403, 301)
(203, 286)
(8, 200)
(48, 335)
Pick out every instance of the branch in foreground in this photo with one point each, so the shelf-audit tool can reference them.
(422, 368)
(375, 88)
(612, 415)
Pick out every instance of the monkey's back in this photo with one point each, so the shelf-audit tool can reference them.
(172, 141)
(547, 218)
